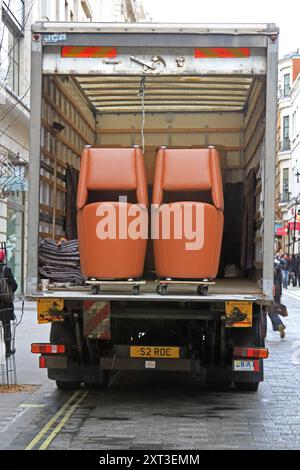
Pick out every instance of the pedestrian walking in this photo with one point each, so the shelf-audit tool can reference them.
(298, 270)
(293, 268)
(285, 266)
(274, 310)
(8, 286)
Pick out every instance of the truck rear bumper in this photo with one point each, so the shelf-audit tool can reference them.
(75, 373)
(59, 369)
(122, 363)
(59, 366)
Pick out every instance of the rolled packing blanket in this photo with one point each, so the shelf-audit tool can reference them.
(60, 261)
(59, 274)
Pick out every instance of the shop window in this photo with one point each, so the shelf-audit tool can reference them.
(15, 237)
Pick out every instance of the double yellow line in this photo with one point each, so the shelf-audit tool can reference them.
(64, 413)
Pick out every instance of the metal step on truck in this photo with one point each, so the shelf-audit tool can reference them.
(180, 86)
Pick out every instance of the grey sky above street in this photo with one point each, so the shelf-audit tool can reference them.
(284, 14)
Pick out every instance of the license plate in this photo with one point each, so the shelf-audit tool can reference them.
(166, 352)
(246, 365)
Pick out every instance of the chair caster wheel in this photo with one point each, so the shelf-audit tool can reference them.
(136, 290)
(202, 290)
(161, 289)
(95, 290)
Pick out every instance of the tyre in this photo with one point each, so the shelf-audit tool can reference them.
(62, 333)
(249, 337)
(218, 386)
(62, 385)
(95, 385)
(246, 386)
(100, 385)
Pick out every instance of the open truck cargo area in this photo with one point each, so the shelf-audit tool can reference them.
(179, 86)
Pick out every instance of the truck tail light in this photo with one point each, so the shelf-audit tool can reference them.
(258, 353)
(42, 362)
(45, 348)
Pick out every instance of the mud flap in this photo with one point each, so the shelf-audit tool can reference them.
(227, 374)
(75, 373)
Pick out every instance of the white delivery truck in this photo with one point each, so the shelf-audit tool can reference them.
(177, 85)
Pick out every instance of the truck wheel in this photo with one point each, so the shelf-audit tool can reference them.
(218, 386)
(62, 385)
(100, 385)
(95, 385)
(246, 386)
(62, 333)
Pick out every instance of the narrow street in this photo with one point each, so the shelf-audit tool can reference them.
(152, 411)
(149, 213)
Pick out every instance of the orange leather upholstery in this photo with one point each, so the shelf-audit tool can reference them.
(193, 172)
(111, 171)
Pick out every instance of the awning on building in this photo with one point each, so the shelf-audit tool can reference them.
(281, 231)
(294, 226)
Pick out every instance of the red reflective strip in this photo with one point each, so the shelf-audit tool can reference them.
(84, 52)
(225, 53)
(256, 366)
(221, 52)
(42, 362)
(262, 353)
(204, 53)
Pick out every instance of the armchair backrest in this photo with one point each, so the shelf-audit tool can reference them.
(112, 169)
(192, 170)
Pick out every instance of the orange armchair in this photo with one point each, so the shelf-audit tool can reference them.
(107, 250)
(188, 218)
